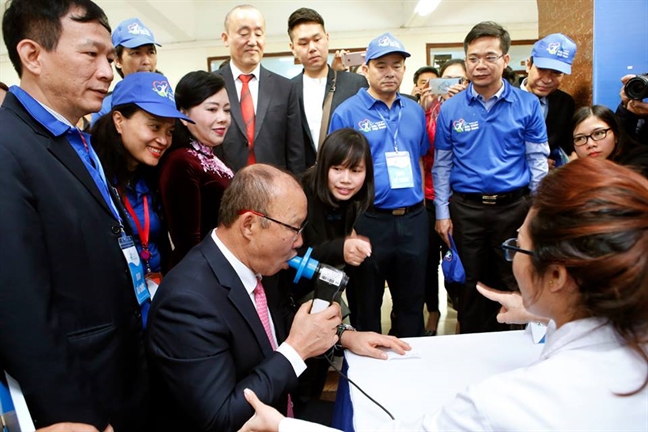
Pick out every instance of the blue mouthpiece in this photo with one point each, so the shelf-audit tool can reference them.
(305, 266)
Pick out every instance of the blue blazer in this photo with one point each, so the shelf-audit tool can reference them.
(207, 344)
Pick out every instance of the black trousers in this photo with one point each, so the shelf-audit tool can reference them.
(399, 257)
(479, 230)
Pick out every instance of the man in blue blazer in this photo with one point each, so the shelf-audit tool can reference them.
(218, 324)
(309, 43)
(276, 137)
(70, 326)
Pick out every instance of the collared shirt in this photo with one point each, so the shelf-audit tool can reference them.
(58, 125)
(544, 102)
(378, 123)
(488, 151)
(314, 90)
(253, 85)
(249, 281)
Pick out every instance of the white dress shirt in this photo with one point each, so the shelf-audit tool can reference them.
(249, 281)
(253, 84)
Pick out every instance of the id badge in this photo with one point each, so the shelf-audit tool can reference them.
(399, 168)
(153, 282)
(135, 267)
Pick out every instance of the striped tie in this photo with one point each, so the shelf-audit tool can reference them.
(247, 110)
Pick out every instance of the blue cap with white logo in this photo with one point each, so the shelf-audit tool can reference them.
(150, 91)
(384, 44)
(132, 33)
(555, 51)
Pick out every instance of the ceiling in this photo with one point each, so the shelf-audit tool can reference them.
(186, 21)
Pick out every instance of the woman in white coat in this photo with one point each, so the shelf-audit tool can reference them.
(581, 262)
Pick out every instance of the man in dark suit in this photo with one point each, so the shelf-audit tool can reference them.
(269, 131)
(218, 325)
(551, 58)
(71, 329)
(309, 43)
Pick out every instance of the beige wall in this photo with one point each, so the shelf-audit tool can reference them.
(178, 59)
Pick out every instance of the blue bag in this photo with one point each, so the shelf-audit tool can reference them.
(453, 270)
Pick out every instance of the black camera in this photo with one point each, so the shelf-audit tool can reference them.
(637, 87)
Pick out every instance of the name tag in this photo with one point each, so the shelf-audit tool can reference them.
(399, 168)
(136, 269)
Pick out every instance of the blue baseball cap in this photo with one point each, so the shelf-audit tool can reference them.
(150, 91)
(132, 33)
(555, 51)
(384, 44)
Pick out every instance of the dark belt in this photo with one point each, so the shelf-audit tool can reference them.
(495, 199)
(400, 211)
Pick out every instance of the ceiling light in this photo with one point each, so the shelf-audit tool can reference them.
(426, 7)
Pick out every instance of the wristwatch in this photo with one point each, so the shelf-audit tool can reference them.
(341, 328)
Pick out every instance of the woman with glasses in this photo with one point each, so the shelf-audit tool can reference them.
(580, 262)
(192, 178)
(597, 133)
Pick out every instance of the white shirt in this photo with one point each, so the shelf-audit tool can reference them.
(571, 387)
(314, 90)
(249, 281)
(253, 85)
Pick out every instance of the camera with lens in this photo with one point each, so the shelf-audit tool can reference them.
(637, 87)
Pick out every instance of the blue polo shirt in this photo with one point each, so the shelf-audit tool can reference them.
(379, 124)
(488, 147)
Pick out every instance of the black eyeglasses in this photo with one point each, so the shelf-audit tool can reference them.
(597, 135)
(296, 230)
(511, 246)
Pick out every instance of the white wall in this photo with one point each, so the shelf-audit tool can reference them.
(177, 59)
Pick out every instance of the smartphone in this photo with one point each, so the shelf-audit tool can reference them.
(440, 86)
(353, 58)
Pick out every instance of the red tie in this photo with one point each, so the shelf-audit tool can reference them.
(247, 109)
(261, 302)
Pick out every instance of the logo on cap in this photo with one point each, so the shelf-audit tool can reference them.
(387, 41)
(555, 48)
(136, 29)
(163, 89)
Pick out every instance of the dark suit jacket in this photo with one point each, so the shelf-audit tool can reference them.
(278, 138)
(347, 85)
(558, 121)
(207, 344)
(70, 327)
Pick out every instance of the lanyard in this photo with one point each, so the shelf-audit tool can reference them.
(394, 134)
(93, 166)
(143, 233)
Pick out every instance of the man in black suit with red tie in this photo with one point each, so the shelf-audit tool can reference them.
(218, 324)
(266, 121)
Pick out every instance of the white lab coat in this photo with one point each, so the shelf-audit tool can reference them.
(571, 387)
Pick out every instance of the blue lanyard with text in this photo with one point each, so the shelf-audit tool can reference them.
(394, 134)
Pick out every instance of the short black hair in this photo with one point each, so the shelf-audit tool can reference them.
(489, 29)
(425, 69)
(40, 20)
(301, 16)
(191, 91)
